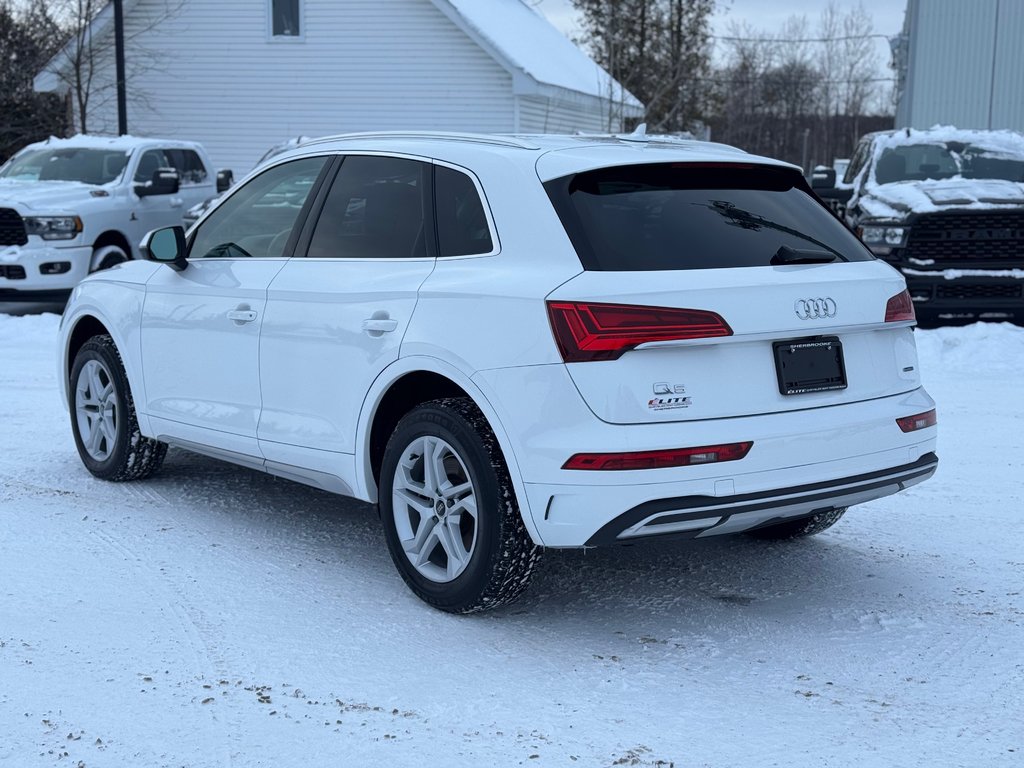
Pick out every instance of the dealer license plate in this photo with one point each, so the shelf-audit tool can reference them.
(810, 365)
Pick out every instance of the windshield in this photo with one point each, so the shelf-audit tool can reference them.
(89, 166)
(917, 162)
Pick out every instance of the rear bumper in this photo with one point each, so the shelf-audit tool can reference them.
(694, 516)
(546, 422)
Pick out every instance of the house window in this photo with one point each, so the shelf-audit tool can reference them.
(284, 16)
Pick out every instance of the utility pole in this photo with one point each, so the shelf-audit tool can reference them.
(122, 99)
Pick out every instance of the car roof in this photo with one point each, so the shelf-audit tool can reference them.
(553, 155)
(116, 143)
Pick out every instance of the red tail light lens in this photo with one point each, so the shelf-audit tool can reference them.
(585, 331)
(899, 308)
(673, 457)
(918, 421)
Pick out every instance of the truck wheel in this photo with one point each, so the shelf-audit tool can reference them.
(103, 416)
(450, 516)
(799, 528)
(107, 256)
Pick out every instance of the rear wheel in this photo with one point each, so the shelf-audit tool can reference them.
(799, 528)
(103, 416)
(449, 511)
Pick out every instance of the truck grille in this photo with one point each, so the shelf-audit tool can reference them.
(12, 271)
(979, 291)
(968, 236)
(12, 228)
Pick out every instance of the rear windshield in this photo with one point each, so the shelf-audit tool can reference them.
(691, 216)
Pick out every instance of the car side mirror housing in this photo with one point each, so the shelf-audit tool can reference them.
(823, 178)
(225, 178)
(165, 181)
(166, 246)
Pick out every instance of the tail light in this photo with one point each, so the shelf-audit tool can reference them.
(899, 308)
(586, 331)
(918, 421)
(673, 457)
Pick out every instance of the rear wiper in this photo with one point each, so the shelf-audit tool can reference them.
(787, 255)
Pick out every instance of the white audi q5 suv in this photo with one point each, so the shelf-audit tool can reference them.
(511, 343)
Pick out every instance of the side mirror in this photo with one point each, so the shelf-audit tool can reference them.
(166, 246)
(225, 178)
(823, 178)
(165, 181)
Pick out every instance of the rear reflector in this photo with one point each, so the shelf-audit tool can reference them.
(918, 421)
(899, 308)
(585, 331)
(673, 457)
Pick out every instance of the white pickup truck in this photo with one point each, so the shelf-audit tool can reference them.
(69, 207)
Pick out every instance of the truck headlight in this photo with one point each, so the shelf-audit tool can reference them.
(54, 227)
(883, 234)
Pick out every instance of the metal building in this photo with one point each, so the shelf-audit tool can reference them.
(961, 62)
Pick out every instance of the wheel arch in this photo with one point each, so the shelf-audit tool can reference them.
(404, 385)
(108, 238)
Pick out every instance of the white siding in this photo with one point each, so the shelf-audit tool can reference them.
(540, 114)
(360, 65)
(966, 64)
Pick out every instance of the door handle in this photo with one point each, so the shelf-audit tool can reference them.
(242, 316)
(379, 325)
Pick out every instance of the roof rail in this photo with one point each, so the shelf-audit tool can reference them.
(478, 138)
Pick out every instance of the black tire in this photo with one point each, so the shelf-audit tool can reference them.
(112, 256)
(799, 528)
(128, 455)
(503, 556)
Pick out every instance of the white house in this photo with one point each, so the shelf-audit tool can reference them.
(242, 75)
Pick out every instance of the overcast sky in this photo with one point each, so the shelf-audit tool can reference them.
(768, 15)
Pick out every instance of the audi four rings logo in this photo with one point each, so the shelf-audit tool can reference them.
(814, 309)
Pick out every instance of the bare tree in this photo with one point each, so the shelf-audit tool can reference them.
(657, 49)
(85, 64)
(27, 35)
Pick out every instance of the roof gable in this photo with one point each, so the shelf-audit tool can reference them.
(527, 43)
(522, 41)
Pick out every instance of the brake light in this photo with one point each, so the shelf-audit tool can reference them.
(673, 457)
(586, 331)
(899, 308)
(918, 421)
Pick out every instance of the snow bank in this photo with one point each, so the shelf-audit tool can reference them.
(977, 349)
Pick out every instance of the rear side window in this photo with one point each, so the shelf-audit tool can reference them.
(672, 216)
(461, 222)
(375, 210)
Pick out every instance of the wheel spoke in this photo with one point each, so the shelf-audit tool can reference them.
(453, 548)
(424, 506)
(95, 384)
(423, 544)
(466, 504)
(92, 443)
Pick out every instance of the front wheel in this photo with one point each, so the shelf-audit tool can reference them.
(450, 515)
(103, 416)
(107, 256)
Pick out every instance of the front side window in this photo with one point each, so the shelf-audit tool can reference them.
(375, 210)
(151, 161)
(284, 16)
(672, 216)
(462, 228)
(257, 220)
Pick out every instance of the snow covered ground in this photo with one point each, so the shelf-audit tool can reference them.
(215, 616)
